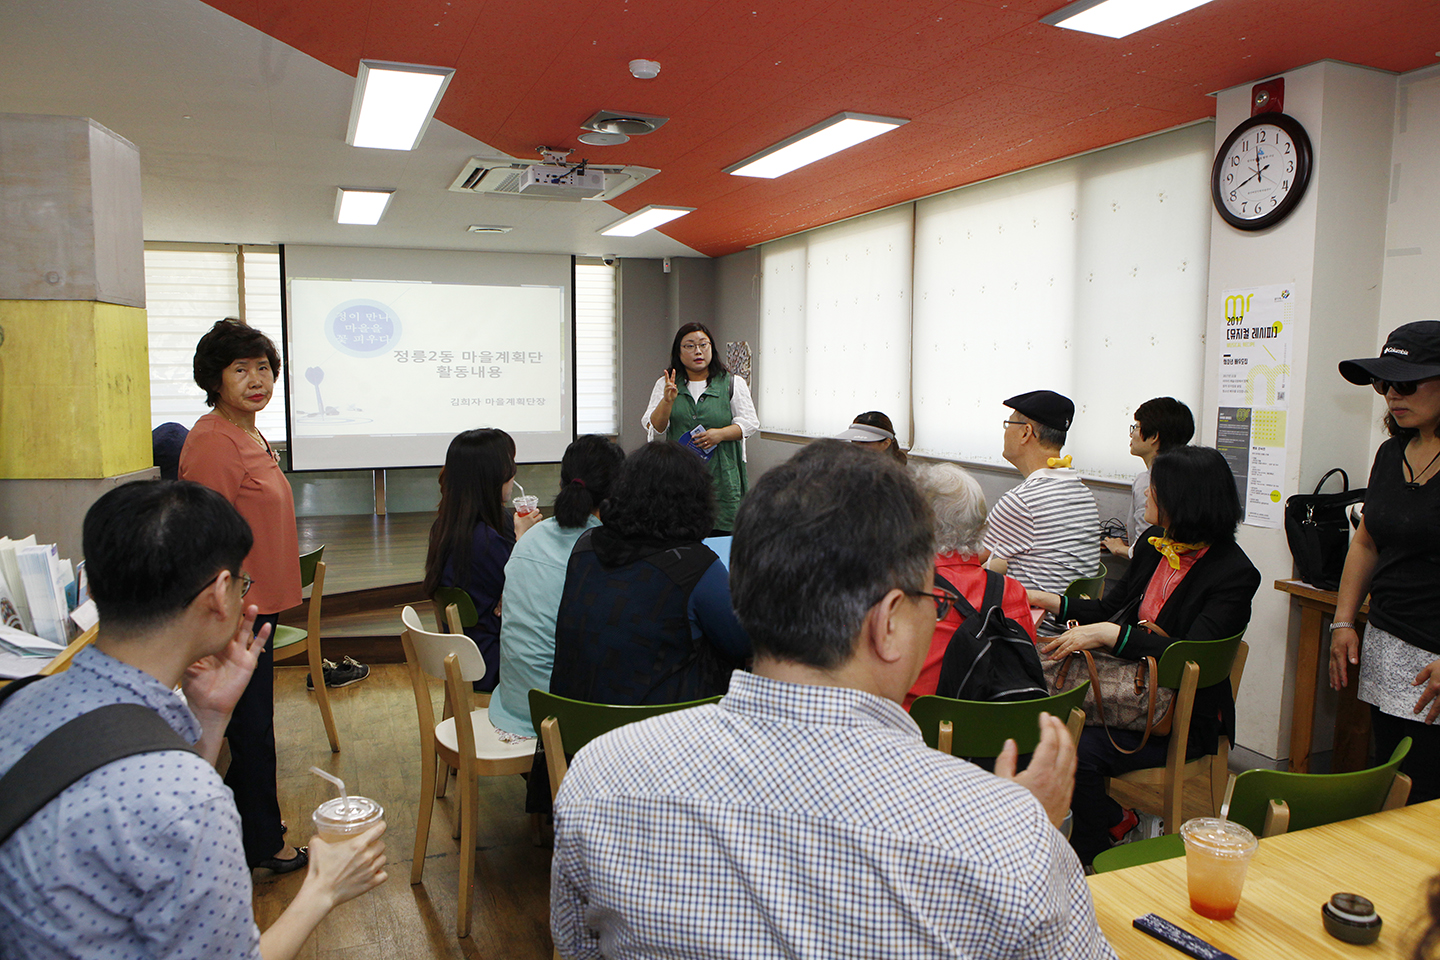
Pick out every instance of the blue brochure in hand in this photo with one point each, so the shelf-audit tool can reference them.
(688, 442)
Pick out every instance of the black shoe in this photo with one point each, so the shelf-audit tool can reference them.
(277, 866)
(348, 671)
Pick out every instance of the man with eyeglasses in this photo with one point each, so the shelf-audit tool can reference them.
(803, 814)
(141, 856)
(1046, 529)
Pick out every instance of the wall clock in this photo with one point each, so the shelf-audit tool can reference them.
(1261, 171)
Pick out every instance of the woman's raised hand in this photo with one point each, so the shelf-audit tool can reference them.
(671, 391)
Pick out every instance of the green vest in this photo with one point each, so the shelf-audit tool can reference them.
(727, 464)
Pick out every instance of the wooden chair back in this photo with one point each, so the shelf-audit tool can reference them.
(447, 597)
(583, 722)
(1088, 587)
(979, 729)
(431, 648)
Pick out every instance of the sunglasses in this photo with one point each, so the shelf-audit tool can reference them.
(1403, 387)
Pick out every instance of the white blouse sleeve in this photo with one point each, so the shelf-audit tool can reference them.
(742, 408)
(655, 397)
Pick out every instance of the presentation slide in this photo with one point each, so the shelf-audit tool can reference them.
(388, 357)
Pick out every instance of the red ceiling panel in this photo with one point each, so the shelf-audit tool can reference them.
(987, 87)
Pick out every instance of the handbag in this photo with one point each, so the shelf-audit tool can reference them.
(1317, 529)
(1123, 694)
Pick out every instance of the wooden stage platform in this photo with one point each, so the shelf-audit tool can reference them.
(373, 568)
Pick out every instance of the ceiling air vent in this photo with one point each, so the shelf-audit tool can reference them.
(501, 176)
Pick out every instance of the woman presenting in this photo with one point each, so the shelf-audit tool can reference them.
(1190, 579)
(1393, 557)
(236, 365)
(716, 402)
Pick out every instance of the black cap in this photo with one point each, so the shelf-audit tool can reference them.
(1411, 352)
(1044, 406)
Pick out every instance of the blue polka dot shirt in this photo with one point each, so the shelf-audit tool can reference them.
(141, 858)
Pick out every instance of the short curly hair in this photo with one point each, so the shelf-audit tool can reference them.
(229, 340)
(663, 492)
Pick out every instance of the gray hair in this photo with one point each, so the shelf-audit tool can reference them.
(959, 506)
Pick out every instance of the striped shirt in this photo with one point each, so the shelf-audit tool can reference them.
(802, 821)
(1048, 527)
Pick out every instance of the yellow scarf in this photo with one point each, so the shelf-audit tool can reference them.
(1171, 549)
(1054, 462)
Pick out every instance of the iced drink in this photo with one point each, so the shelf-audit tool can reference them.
(526, 504)
(340, 819)
(1217, 853)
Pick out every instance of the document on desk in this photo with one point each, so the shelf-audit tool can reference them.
(1255, 370)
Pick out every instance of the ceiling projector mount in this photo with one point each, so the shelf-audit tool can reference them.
(551, 177)
(608, 128)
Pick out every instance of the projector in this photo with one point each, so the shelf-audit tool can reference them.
(561, 182)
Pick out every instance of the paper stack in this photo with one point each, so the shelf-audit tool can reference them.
(45, 578)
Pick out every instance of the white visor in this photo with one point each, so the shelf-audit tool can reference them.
(864, 433)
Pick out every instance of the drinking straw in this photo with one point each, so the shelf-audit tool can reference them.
(344, 795)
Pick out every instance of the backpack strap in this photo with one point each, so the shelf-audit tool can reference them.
(961, 604)
(79, 747)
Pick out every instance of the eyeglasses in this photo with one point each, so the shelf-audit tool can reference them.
(1133, 428)
(1015, 423)
(246, 582)
(944, 600)
(1402, 387)
(701, 346)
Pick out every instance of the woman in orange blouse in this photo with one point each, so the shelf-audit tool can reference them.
(236, 365)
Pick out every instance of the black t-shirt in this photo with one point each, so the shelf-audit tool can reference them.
(1404, 522)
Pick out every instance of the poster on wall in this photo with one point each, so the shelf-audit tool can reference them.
(1255, 371)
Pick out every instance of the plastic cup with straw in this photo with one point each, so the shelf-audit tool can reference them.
(523, 503)
(344, 816)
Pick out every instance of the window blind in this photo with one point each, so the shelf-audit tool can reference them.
(597, 354)
(835, 325)
(186, 291)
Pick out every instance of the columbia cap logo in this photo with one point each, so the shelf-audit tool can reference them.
(1400, 350)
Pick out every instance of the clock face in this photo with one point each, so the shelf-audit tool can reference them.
(1262, 171)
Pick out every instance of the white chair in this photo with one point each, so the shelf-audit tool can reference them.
(472, 749)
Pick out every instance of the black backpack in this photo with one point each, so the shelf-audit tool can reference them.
(991, 657)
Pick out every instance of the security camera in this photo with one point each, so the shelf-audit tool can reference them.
(609, 259)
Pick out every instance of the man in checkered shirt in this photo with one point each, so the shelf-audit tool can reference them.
(803, 815)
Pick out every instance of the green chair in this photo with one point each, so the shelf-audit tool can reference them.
(1272, 802)
(582, 722)
(1088, 587)
(1186, 667)
(454, 598)
(312, 574)
(971, 728)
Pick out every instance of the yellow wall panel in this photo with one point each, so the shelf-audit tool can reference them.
(74, 390)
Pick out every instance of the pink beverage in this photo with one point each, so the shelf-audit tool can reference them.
(1217, 854)
(341, 819)
(526, 504)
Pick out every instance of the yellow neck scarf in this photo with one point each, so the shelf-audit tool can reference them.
(1172, 549)
(1054, 462)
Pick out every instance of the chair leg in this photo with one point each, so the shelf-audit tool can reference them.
(1219, 775)
(443, 780)
(322, 695)
(469, 825)
(1172, 798)
(422, 816)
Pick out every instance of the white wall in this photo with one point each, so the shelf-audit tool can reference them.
(1331, 250)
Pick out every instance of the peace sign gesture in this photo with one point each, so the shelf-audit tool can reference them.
(671, 391)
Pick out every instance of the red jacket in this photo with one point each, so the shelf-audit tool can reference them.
(969, 578)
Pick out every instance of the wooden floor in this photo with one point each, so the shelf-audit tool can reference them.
(379, 758)
(365, 552)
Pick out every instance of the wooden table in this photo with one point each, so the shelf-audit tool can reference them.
(1352, 718)
(1388, 857)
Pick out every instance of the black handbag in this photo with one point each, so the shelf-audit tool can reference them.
(1318, 530)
